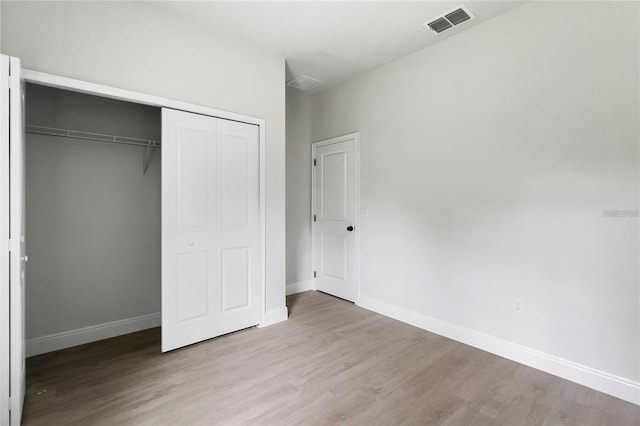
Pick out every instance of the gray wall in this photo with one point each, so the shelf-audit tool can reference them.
(298, 186)
(92, 217)
(487, 162)
(137, 46)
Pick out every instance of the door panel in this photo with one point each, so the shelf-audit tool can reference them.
(13, 260)
(239, 204)
(193, 291)
(334, 256)
(210, 224)
(234, 198)
(5, 311)
(192, 176)
(335, 203)
(235, 279)
(18, 257)
(334, 186)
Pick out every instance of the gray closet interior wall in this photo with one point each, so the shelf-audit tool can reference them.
(92, 217)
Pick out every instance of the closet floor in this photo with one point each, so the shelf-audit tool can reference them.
(331, 362)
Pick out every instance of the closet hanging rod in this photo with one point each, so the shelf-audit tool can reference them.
(76, 134)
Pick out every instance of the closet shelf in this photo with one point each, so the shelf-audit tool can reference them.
(99, 137)
(77, 134)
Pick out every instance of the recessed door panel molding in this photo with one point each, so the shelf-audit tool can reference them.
(210, 227)
(192, 176)
(335, 183)
(335, 256)
(192, 296)
(236, 278)
(335, 203)
(235, 180)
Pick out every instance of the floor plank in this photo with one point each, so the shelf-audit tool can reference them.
(330, 363)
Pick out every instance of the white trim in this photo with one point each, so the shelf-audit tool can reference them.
(263, 224)
(4, 239)
(314, 146)
(275, 316)
(80, 86)
(602, 381)
(160, 102)
(300, 286)
(17, 258)
(93, 333)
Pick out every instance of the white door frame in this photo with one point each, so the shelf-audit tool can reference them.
(74, 85)
(314, 147)
(5, 352)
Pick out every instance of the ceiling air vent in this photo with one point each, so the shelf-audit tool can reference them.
(458, 16)
(439, 25)
(454, 17)
(303, 82)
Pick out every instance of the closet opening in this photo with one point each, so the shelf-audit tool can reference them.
(93, 218)
(122, 237)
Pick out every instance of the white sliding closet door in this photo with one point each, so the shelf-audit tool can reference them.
(12, 265)
(210, 227)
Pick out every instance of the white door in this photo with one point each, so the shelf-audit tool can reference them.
(335, 230)
(13, 261)
(210, 227)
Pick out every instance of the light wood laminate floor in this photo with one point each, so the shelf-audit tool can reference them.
(330, 363)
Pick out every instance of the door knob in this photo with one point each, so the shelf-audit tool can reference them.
(350, 228)
(25, 258)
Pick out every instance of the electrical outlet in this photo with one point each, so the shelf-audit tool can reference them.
(517, 305)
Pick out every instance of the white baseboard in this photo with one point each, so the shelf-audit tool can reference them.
(80, 336)
(300, 286)
(275, 316)
(602, 381)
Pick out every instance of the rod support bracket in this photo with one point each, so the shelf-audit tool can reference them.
(147, 157)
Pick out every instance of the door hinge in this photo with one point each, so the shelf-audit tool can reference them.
(14, 244)
(314, 161)
(314, 274)
(314, 217)
(9, 403)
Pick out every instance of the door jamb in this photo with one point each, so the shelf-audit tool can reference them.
(74, 85)
(5, 352)
(355, 136)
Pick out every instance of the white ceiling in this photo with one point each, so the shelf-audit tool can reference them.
(331, 41)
